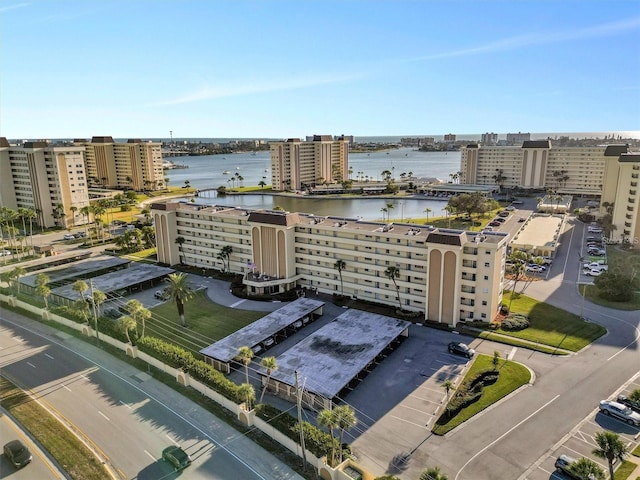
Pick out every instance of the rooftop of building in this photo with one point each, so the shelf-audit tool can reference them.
(80, 269)
(333, 355)
(540, 230)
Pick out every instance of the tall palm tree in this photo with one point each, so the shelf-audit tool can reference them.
(427, 211)
(43, 289)
(327, 419)
(16, 273)
(73, 210)
(384, 210)
(246, 394)
(345, 419)
(138, 313)
(433, 473)
(225, 255)
(340, 265)
(180, 241)
(245, 355)
(180, 291)
(126, 324)
(610, 447)
(499, 178)
(270, 364)
(80, 286)
(392, 272)
(389, 208)
(518, 268)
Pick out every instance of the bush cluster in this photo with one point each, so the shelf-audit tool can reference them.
(515, 321)
(317, 441)
(471, 390)
(180, 358)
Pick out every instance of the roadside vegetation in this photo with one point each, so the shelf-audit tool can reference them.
(489, 379)
(68, 450)
(619, 287)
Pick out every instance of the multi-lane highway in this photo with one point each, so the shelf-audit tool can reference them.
(125, 415)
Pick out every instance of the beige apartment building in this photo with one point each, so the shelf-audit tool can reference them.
(135, 164)
(296, 164)
(620, 193)
(536, 164)
(446, 275)
(49, 180)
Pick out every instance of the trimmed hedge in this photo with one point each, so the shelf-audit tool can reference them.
(177, 357)
(471, 391)
(515, 321)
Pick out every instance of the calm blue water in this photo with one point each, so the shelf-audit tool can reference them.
(208, 172)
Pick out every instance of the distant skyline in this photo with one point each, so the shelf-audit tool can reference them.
(279, 69)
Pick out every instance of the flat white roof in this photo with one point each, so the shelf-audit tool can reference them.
(333, 355)
(227, 348)
(539, 231)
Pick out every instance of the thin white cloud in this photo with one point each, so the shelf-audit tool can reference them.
(13, 7)
(224, 91)
(606, 29)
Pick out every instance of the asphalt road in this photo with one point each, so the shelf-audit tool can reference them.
(124, 414)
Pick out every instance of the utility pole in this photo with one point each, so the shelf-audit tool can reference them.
(299, 401)
(584, 291)
(95, 312)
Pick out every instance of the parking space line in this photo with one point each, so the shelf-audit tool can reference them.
(417, 409)
(423, 399)
(412, 423)
(422, 387)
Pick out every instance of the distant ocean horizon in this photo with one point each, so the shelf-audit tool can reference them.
(635, 134)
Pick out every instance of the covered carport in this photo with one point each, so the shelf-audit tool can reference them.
(263, 333)
(335, 358)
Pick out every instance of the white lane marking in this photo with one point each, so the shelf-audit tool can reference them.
(504, 435)
(49, 356)
(125, 404)
(172, 441)
(107, 418)
(407, 421)
(417, 409)
(31, 365)
(236, 304)
(66, 387)
(152, 457)
(512, 353)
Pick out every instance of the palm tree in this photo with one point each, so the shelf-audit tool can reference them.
(345, 419)
(30, 214)
(180, 241)
(246, 394)
(80, 286)
(224, 256)
(499, 178)
(42, 288)
(126, 324)
(271, 365)
(73, 209)
(610, 447)
(432, 473)
(327, 419)
(586, 468)
(179, 290)
(389, 208)
(448, 386)
(393, 272)
(16, 273)
(340, 265)
(245, 355)
(262, 184)
(138, 313)
(427, 211)
(383, 210)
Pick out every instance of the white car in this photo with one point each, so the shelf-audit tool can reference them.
(4, 253)
(620, 411)
(69, 236)
(595, 266)
(594, 272)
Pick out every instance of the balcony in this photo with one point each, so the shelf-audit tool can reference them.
(469, 276)
(467, 289)
(469, 264)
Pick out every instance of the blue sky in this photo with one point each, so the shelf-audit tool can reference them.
(277, 69)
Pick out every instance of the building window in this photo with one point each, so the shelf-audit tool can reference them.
(486, 277)
(486, 264)
(484, 302)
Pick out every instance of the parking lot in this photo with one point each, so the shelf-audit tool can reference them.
(580, 441)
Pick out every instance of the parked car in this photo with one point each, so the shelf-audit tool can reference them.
(632, 404)
(599, 265)
(69, 236)
(160, 295)
(503, 214)
(17, 453)
(488, 229)
(461, 349)
(80, 235)
(177, 457)
(594, 230)
(535, 268)
(522, 219)
(494, 224)
(5, 253)
(594, 272)
(112, 313)
(510, 208)
(517, 202)
(620, 411)
(596, 252)
(563, 465)
(499, 220)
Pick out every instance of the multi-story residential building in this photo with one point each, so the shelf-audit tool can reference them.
(620, 194)
(450, 137)
(133, 165)
(489, 139)
(49, 180)
(536, 164)
(296, 164)
(448, 275)
(518, 138)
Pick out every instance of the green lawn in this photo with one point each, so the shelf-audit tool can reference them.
(552, 326)
(512, 376)
(624, 471)
(206, 322)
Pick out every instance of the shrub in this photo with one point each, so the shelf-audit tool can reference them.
(515, 321)
(504, 309)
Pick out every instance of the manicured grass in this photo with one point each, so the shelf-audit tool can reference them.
(617, 258)
(550, 325)
(636, 451)
(206, 322)
(624, 470)
(592, 294)
(72, 454)
(488, 335)
(144, 254)
(512, 376)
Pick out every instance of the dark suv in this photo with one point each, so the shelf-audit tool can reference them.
(633, 405)
(461, 349)
(177, 457)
